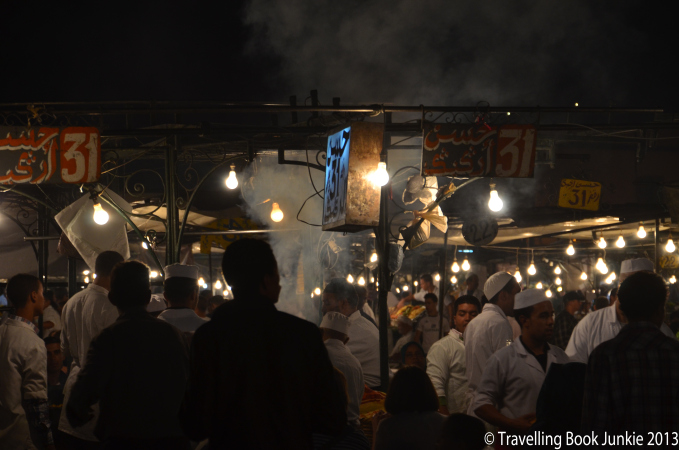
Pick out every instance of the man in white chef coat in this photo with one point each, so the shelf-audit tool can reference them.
(446, 361)
(181, 293)
(605, 324)
(84, 316)
(364, 343)
(491, 330)
(513, 376)
(335, 327)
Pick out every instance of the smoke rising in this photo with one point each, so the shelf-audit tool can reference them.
(441, 52)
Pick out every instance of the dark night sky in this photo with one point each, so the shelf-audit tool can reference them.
(386, 51)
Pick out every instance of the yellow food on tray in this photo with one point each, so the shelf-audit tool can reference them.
(409, 311)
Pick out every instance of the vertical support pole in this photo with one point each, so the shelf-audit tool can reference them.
(657, 246)
(172, 218)
(442, 283)
(43, 253)
(209, 260)
(72, 277)
(384, 278)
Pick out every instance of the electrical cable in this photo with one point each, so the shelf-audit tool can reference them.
(302, 207)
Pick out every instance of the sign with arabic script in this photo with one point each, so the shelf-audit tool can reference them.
(580, 194)
(506, 151)
(41, 155)
(352, 199)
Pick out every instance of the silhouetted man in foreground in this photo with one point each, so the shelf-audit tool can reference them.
(260, 378)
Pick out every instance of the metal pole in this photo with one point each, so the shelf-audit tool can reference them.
(72, 277)
(209, 260)
(442, 284)
(657, 246)
(382, 238)
(172, 218)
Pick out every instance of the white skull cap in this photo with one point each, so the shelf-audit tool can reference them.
(495, 283)
(181, 270)
(336, 321)
(636, 265)
(529, 297)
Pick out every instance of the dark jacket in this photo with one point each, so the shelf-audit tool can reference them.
(137, 369)
(260, 378)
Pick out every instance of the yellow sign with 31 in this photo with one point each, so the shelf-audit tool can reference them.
(579, 194)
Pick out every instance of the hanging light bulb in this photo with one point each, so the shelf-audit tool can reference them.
(559, 289)
(94, 276)
(398, 291)
(602, 243)
(465, 265)
(225, 293)
(583, 276)
(673, 279)
(557, 270)
(373, 257)
(144, 245)
(570, 251)
(381, 176)
(377, 283)
(86, 272)
(361, 281)
(548, 294)
(405, 288)
(100, 216)
(231, 180)
(539, 285)
(670, 245)
(317, 291)
(153, 274)
(453, 279)
(557, 281)
(601, 266)
(641, 232)
(312, 295)
(495, 202)
(350, 279)
(517, 276)
(415, 283)
(612, 276)
(87, 279)
(531, 269)
(372, 280)
(437, 277)
(218, 285)
(620, 243)
(201, 281)
(455, 267)
(276, 213)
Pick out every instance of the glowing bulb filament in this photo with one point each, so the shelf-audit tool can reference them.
(495, 202)
(100, 216)
(381, 176)
(276, 213)
(670, 246)
(455, 267)
(465, 265)
(602, 242)
(231, 180)
(570, 250)
(532, 270)
(620, 243)
(641, 232)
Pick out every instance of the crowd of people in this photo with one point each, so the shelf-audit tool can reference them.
(112, 372)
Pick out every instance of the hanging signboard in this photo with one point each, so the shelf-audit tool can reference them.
(506, 151)
(41, 155)
(579, 194)
(352, 199)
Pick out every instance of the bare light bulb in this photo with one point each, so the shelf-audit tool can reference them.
(218, 285)
(570, 251)
(557, 270)
(517, 276)
(601, 266)
(455, 267)
(437, 277)
(317, 291)
(495, 202)
(465, 265)
(100, 216)
(276, 213)
(612, 276)
(86, 272)
(583, 276)
(225, 293)
(405, 288)
(201, 281)
(548, 294)
(154, 274)
(531, 269)
(539, 285)
(372, 280)
(87, 279)
(373, 257)
(381, 176)
(231, 180)
(557, 281)
(415, 283)
(620, 243)
(453, 279)
(670, 246)
(673, 279)
(361, 281)
(144, 245)
(602, 243)
(350, 279)
(559, 289)
(641, 232)
(398, 291)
